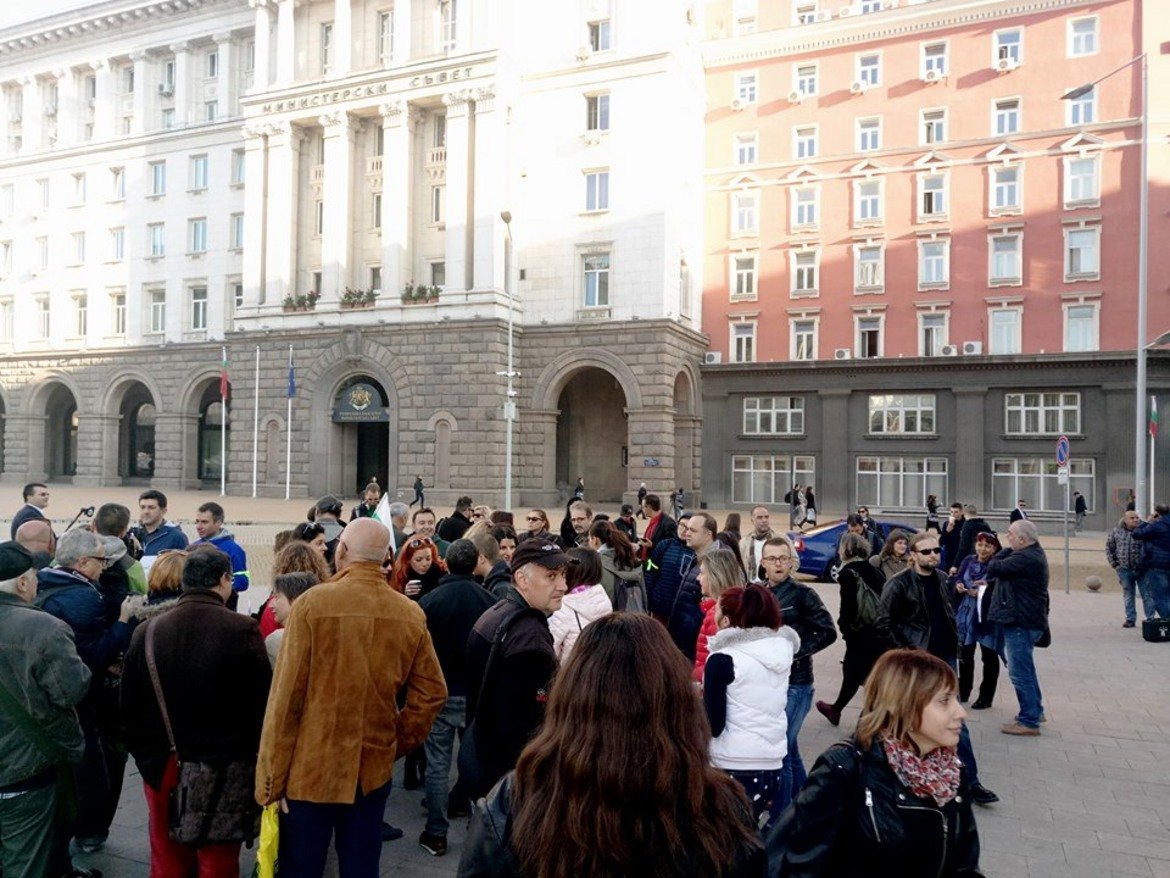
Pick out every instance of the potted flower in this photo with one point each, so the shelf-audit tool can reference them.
(301, 302)
(356, 298)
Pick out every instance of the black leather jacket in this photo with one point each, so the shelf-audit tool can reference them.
(903, 620)
(804, 611)
(854, 818)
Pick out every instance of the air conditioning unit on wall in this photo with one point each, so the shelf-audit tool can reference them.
(842, 354)
(1006, 65)
(949, 350)
(857, 87)
(932, 76)
(712, 358)
(972, 348)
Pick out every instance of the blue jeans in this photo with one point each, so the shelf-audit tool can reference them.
(1158, 583)
(1018, 644)
(1129, 582)
(440, 744)
(793, 776)
(306, 829)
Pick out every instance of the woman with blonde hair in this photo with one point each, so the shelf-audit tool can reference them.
(165, 581)
(718, 571)
(874, 804)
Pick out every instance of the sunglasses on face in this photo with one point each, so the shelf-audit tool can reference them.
(419, 543)
(934, 551)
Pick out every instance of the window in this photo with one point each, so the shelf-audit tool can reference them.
(805, 13)
(804, 272)
(117, 183)
(1082, 254)
(79, 248)
(869, 135)
(745, 149)
(934, 195)
(1082, 37)
(804, 141)
(867, 201)
(869, 267)
(867, 6)
(198, 172)
(869, 69)
(1007, 116)
(745, 89)
(1007, 46)
(906, 482)
(117, 244)
(1082, 109)
(1005, 330)
(743, 342)
(238, 166)
(197, 235)
(599, 35)
(439, 274)
(744, 212)
(376, 210)
(804, 207)
(1005, 189)
(210, 111)
(804, 339)
(198, 308)
(317, 277)
(597, 190)
(934, 59)
(1042, 414)
(156, 234)
(596, 279)
(934, 126)
(1006, 259)
(869, 337)
(743, 19)
(376, 278)
(158, 178)
(167, 119)
(1080, 181)
(236, 231)
(42, 244)
(81, 315)
(326, 47)
(438, 199)
(805, 79)
(447, 24)
(901, 413)
(118, 313)
(385, 37)
(743, 277)
(43, 185)
(7, 319)
(1080, 327)
(44, 317)
(128, 79)
(439, 133)
(211, 64)
(5, 258)
(773, 415)
(933, 264)
(766, 478)
(319, 218)
(237, 294)
(158, 310)
(1035, 481)
(932, 333)
(79, 188)
(597, 112)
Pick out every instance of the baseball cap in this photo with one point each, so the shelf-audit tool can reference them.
(15, 560)
(542, 552)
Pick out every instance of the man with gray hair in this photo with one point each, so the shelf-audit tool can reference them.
(41, 681)
(1019, 605)
(398, 514)
(579, 518)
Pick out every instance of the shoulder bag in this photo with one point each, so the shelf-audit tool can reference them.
(213, 802)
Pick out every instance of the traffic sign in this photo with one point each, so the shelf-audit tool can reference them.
(1062, 451)
(1062, 475)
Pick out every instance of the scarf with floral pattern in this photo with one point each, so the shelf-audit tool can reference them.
(934, 776)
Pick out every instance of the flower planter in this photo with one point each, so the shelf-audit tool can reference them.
(353, 306)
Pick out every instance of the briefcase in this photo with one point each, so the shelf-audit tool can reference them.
(1156, 630)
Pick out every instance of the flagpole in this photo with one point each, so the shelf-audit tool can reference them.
(288, 438)
(1153, 439)
(223, 433)
(256, 423)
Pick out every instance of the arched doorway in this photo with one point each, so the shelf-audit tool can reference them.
(137, 418)
(361, 420)
(61, 433)
(592, 435)
(684, 434)
(215, 433)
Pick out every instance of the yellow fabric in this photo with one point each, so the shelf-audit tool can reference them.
(269, 842)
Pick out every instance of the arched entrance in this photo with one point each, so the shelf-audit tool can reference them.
(592, 435)
(684, 434)
(215, 436)
(60, 433)
(136, 423)
(361, 424)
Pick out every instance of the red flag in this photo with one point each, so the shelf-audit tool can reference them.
(223, 377)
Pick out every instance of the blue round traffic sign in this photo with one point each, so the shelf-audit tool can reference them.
(1062, 451)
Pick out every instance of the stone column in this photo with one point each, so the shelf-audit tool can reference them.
(535, 463)
(103, 103)
(342, 38)
(402, 25)
(280, 252)
(337, 190)
(458, 228)
(141, 91)
(182, 83)
(970, 478)
(262, 36)
(19, 447)
(286, 50)
(399, 120)
(171, 466)
(225, 86)
(31, 115)
(68, 106)
(834, 466)
(97, 450)
(650, 433)
(255, 169)
(488, 185)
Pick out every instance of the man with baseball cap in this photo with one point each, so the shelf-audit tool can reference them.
(510, 664)
(41, 681)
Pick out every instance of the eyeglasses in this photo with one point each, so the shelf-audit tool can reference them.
(104, 562)
(533, 518)
(775, 559)
(935, 551)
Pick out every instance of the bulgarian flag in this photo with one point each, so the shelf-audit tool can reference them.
(223, 377)
(382, 514)
(1153, 417)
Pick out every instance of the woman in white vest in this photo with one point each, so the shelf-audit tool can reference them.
(745, 690)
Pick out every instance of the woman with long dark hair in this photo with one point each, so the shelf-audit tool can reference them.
(618, 781)
(894, 556)
(619, 561)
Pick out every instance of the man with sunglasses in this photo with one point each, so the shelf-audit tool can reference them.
(916, 612)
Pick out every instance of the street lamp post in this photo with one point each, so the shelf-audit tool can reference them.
(510, 374)
(1141, 502)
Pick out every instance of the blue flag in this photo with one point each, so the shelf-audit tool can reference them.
(292, 376)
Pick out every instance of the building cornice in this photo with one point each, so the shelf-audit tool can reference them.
(885, 25)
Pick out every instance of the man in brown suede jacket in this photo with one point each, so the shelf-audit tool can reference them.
(333, 726)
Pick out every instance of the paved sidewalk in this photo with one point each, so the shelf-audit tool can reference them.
(1088, 799)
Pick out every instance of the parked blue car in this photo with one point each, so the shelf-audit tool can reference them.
(817, 548)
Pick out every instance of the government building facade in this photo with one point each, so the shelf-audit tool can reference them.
(388, 196)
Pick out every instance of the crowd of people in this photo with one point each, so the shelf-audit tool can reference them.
(389, 639)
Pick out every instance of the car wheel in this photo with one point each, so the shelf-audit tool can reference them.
(829, 574)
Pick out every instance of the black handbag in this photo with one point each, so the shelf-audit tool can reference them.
(213, 802)
(1156, 630)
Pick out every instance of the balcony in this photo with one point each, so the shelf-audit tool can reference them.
(374, 166)
(435, 163)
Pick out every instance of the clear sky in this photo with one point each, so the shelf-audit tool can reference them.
(12, 13)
